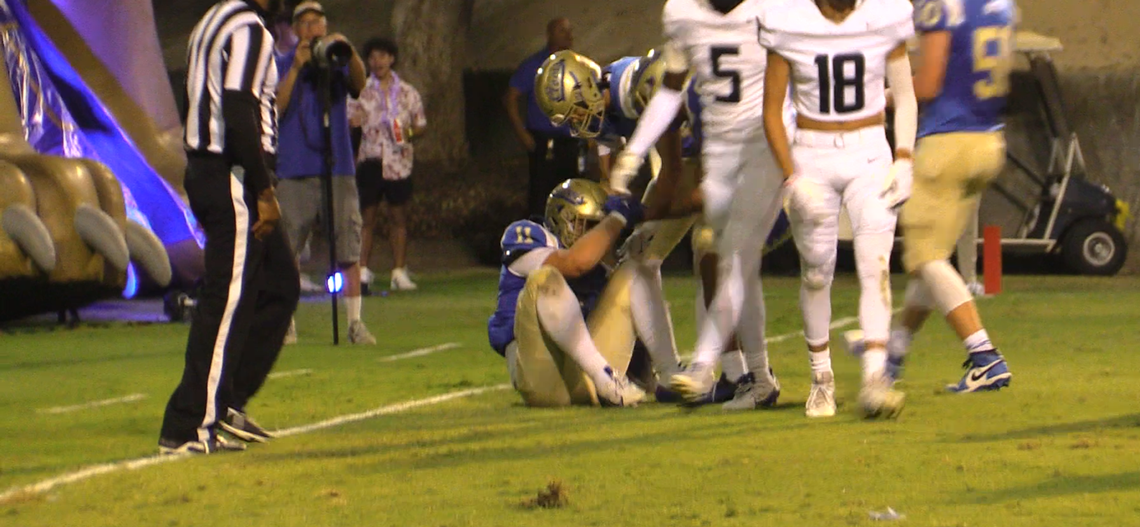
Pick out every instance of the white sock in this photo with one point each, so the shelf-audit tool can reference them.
(732, 365)
(899, 343)
(353, 305)
(978, 342)
(820, 360)
(751, 326)
(723, 313)
(651, 318)
(874, 362)
(561, 319)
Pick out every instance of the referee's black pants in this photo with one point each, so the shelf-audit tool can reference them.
(553, 160)
(248, 295)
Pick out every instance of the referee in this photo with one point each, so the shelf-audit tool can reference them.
(251, 287)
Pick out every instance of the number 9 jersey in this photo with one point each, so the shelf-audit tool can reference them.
(838, 69)
(977, 73)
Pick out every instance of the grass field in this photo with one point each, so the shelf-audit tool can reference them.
(1060, 447)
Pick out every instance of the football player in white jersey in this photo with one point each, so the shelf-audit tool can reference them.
(716, 41)
(836, 54)
(603, 104)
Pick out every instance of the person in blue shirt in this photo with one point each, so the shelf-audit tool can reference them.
(552, 152)
(603, 104)
(962, 83)
(562, 321)
(301, 154)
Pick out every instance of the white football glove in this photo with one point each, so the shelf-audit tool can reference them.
(900, 180)
(637, 243)
(624, 170)
(801, 200)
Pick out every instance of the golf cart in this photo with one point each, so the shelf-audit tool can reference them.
(1070, 216)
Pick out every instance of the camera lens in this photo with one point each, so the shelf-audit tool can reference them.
(331, 54)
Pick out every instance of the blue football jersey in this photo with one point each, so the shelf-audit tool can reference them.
(520, 238)
(976, 84)
(620, 120)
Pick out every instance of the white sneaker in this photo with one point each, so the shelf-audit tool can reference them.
(291, 335)
(358, 333)
(821, 400)
(366, 276)
(400, 280)
(308, 286)
(619, 391)
(694, 383)
(752, 393)
(878, 399)
(976, 289)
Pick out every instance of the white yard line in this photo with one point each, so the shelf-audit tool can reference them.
(93, 404)
(290, 373)
(420, 352)
(385, 410)
(133, 464)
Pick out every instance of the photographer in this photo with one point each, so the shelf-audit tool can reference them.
(301, 148)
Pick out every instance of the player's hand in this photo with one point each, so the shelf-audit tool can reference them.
(268, 214)
(801, 200)
(626, 207)
(900, 180)
(624, 170)
(637, 243)
(304, 53)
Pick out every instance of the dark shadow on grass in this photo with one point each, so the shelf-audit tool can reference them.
(1056, 487)
(1123, 421)
(472, 446)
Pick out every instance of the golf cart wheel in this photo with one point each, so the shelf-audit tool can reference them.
(1094, 247)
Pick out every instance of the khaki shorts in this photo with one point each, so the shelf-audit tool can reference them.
(950, 173)
(302, 205)
(543, 374)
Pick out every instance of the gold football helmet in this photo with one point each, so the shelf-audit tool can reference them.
(573, 208)
(567, 88)
(649, 76)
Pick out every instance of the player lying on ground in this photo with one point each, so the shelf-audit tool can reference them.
(836, 54)
(562, 320)
(603, 104)
(716, 41)
(963, 81)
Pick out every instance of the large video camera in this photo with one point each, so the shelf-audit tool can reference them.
(331, 53)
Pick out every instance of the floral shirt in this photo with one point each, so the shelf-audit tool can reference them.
(377, 108)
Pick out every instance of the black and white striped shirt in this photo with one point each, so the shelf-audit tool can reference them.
(230, 50)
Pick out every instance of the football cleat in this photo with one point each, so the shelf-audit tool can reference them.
(751, 394)
(694, 383)
(985, 371)
(214, 444)
(821, 399)
(242, 427)
(358, 333)
(619, 391)
(878, 399)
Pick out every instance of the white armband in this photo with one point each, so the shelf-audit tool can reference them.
(906, 106)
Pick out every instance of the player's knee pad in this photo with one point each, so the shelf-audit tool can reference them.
(818, 274)
(946, 285)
